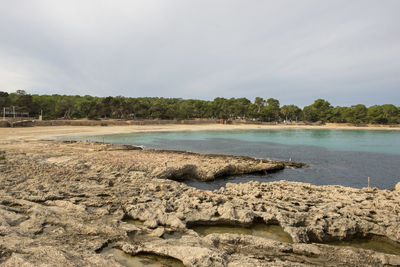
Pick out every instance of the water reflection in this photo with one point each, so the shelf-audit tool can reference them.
(141, 260)
(133, 221)
(274, 232)
(172, 235)
(376, 243)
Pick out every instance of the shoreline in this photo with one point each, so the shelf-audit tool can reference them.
(46, 132)
(74, 199)
(68, 133)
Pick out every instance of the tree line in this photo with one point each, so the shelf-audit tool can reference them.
(266, 110)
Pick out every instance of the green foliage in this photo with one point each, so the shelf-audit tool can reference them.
(291, 112)
(320, 110)
(4, 99)
(259, 104)
(383, 114)
(271, 112)
(3, 94)
(354, 114)
(76, 107)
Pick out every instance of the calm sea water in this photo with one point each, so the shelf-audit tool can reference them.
(336, 157)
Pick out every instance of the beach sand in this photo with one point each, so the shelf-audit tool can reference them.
(44, 132)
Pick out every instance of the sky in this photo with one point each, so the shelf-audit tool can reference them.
(347, 52)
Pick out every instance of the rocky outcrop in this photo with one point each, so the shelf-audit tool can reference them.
(180, 165)
(308, 213)
(242, 250)
(61, 203)
(397, 187)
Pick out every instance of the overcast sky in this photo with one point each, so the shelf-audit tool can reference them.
(347, 52)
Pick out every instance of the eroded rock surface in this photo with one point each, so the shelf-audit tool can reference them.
(61, 203)
(397, 187)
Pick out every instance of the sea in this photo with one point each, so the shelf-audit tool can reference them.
(335, 157)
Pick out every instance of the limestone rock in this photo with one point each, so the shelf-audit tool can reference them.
(63, 212)
(397, 187)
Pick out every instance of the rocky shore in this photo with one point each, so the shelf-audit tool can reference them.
(62, 203)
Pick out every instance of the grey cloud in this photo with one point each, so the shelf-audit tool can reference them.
(296, 51)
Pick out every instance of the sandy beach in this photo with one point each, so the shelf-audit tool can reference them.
(44, 132)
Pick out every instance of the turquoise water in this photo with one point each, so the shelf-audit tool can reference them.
(339, 157)
(380, 141)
